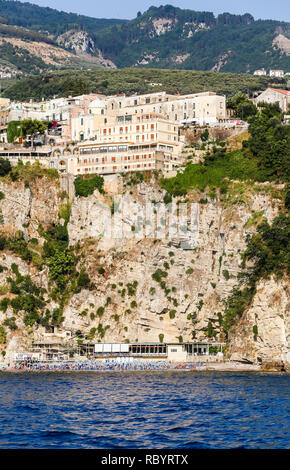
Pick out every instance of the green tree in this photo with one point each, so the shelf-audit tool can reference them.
(5, 167)
(13, 130)
(242, 106)
(61, 265)
(270, 142)
(32, 127)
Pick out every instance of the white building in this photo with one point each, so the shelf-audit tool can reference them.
(201, 109)
(275, 95)
(260, 73)
(277, 73)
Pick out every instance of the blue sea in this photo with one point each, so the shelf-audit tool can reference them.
(151, 410)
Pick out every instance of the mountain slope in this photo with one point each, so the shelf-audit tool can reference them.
(164, 37)
(169, 37)
(48, 19)
(23, 51)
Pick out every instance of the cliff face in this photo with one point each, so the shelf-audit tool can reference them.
(270, 313)
(24, 208)
(193, 273)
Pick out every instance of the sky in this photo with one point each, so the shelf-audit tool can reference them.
(127, 9)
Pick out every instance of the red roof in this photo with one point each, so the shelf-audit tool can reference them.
(284, 92)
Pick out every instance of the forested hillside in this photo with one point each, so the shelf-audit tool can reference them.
(163, 38)
(56, 22)
(133, 80)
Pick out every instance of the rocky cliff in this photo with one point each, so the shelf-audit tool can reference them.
(147, 288)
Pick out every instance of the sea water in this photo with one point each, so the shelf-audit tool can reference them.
(157, 410)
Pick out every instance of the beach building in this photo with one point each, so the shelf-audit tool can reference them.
(174, 352)
(55, 349)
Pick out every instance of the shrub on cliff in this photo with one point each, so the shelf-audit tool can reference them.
(268, 252)
(85, 187)
(83, 281)
(5, 166)
(61, 266)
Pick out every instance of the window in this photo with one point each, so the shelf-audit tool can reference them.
(147, 100)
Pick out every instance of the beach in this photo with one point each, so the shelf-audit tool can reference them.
(112, 365)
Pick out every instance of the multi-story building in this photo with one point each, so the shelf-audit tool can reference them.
(276, 73)
(131, 143)
(27, 110)
(201, 109)
(119, 133)
(4, 118)
(260, 73)
(60, 110)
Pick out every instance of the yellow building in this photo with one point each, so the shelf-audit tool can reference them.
(130, 143)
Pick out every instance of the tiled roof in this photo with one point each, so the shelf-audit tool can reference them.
(284, 92)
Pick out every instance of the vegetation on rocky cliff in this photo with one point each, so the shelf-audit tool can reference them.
(86, 186)
(265, 157)
(267, 253)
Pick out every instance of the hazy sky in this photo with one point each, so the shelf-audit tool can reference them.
(127, 9)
